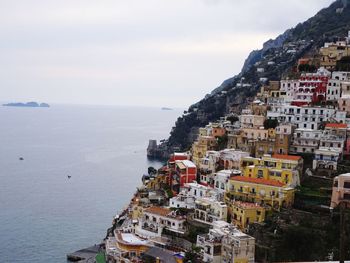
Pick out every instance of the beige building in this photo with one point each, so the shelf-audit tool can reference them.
(333, 52)
(341, 190)
(283, 138)
(201, 146)
(208, 210)
(225, 243)
(252, 121)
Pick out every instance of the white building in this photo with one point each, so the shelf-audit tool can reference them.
(209, 210)
(183, 200)
(155, 219)
(225, 243)
(341, 75)
(189, 193)
(290, 86)
(221, 179)
(332, 141)
(208, 164)
(305, 117)
(326, 159)
(333, 90)
(198, 190)
(305, 140)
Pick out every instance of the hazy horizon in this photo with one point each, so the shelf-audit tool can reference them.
(142, 53)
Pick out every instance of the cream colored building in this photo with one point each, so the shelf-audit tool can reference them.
(209, 210)
(341, 190)
(226, 243)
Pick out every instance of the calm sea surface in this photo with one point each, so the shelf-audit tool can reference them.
(43, 214)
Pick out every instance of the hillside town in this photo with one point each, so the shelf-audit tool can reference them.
(202, 204)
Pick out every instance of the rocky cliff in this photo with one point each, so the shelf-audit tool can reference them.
(276, 58)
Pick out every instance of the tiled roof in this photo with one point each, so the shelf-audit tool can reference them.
(257, 181)
(158, 210)
(286, 157)
(336, 125)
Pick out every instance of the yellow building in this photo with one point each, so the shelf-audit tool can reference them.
(202, 131)
(157, 182)
(333, 52)
(244, 213)
(200, 148)
(239, 141)
(285, 169)
(263, 147)
(261, 191)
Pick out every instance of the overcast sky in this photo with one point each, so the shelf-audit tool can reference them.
(133, 52)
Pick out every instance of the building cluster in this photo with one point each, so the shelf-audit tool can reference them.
(240, 168)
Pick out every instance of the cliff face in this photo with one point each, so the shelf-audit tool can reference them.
(276, 57)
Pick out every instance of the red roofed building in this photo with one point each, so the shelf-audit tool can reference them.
(287, 157)
(261, 191)
(177, 157)
(257, 181)
(184, 172)
(336, 126)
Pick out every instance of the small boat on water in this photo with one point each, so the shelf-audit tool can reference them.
(21, 158)
(69, 176)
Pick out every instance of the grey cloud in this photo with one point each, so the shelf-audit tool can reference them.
(120, 52)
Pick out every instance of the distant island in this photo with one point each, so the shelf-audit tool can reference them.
(165, 108)
(32, 104)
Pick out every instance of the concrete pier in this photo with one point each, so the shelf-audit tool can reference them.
(86, 255)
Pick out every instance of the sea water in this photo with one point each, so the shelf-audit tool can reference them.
(43, 214)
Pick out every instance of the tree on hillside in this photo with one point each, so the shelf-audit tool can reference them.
(270, 124)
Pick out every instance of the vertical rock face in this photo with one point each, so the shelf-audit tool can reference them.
(274, 58)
